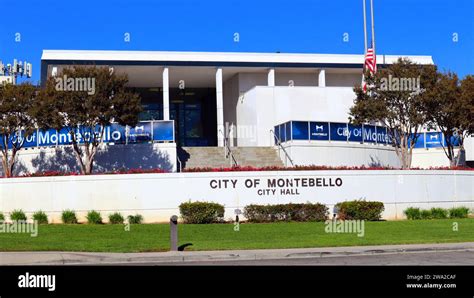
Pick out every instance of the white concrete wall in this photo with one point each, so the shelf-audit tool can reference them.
(113, 157)
(298, 79)
(157, 196)
(231, 97)
(469, 146)
(247, 118)
(249, 80)
(332, 153)
(276, 105)
(343, 79)
(431, 157)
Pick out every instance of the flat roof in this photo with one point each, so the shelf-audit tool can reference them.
(224, 58)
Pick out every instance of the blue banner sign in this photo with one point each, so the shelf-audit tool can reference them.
(154, 131)
(339, 131)
(299, 130)
(419, 142)
(454, 140)
(333, 131)
(141, 133)
(163, 131)
(433, 139)
(370, 134)
(319, 131)
(355, 133)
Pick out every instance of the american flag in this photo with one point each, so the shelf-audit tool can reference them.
(370, 64)
(370, 61)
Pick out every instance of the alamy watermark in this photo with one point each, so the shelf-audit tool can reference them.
(241, 132)
(345, 226)
(19, 227)
(65, 83)
(400, 84)
(28, 280)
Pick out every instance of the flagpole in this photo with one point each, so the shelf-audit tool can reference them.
(365, 42)
(372, 22)
(365, 26)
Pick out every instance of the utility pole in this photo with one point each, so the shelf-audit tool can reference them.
(9, 73)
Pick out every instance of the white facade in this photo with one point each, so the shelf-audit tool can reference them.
(257, 91)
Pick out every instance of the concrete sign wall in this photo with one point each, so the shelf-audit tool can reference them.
(108, 158)
(157, 196)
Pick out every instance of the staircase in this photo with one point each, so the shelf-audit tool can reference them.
(194, 157)
(257, 156)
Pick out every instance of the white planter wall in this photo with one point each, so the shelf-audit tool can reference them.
(157, 196)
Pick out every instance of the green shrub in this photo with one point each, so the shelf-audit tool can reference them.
(18, 215)
(360, 210)
(459, 212)
(201, 212)
(135, 219)
(439, 213)
(69, 217)
(2, 217)
(413, 213)
(286, 212)
(40, 217)
(426, 214)
(116, 218)
(94, 218)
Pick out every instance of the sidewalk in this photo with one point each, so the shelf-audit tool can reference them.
(87, 258)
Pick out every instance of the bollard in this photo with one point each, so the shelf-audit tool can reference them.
(237, 213)
(335, 211)
(174, 233)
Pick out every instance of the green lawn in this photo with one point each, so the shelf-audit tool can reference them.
(155, 237)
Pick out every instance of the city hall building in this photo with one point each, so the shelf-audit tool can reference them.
(220, 109)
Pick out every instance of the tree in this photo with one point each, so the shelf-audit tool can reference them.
(467, 96)
(450, 109)
(16, 121)
(394, 98)
(84, 100)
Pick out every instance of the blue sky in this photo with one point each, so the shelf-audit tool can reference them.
(408, 27)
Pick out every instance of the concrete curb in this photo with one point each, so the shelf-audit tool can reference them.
(86, 258)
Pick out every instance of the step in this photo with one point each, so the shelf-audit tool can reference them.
(214, 157)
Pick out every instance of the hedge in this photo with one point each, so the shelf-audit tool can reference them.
(18, 215)
(286, 212)
(459, 212)
(40, 217)
(201, 212)
(360, 210)
(69, 217)
(413, 213)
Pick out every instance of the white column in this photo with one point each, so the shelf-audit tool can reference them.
(322, 78)
(220, 109)
(271, 77)
(166, 94)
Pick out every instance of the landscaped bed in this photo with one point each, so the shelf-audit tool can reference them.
(155, 237)
(240, 169)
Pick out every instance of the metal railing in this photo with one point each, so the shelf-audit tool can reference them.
(180, 164)
(278, 143)
(227, 151)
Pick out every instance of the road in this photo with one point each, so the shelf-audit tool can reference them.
(406, 258)
(405, 254)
